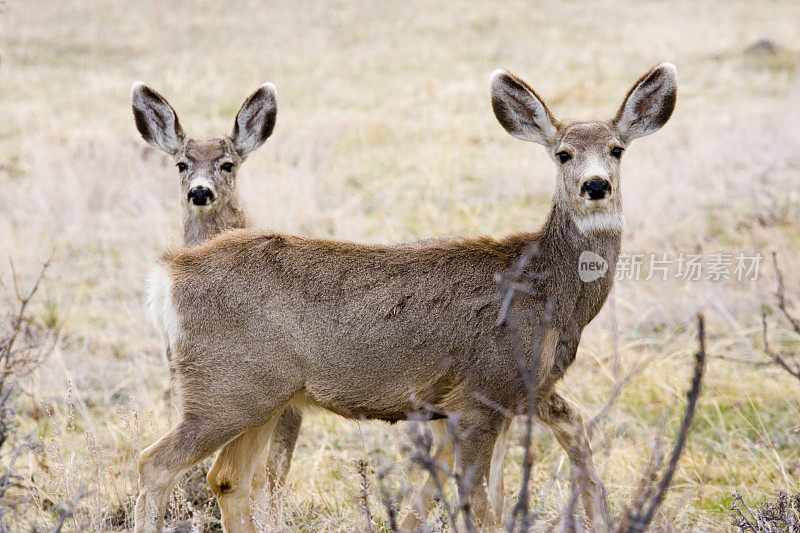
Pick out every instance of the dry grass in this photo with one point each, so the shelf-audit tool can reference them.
(385, 133)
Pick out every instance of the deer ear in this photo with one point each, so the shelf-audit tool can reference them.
(155, 119)
(255, 120)
(649, 103)
(520, 110)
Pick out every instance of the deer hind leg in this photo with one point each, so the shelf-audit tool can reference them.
(231, 476)
(280, 452)
(426, 498)
(160, 465)
(567, 426)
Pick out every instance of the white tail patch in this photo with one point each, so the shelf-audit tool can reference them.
(159, 302)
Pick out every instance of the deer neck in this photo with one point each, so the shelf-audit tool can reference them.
(563, 233)
(565, 251)
(570, 299)
(199, 227)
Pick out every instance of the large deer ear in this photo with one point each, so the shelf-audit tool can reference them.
(255, 120)
(649, 103)
(520, 110)
(155, 119)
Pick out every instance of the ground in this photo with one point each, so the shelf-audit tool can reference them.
(385, 133)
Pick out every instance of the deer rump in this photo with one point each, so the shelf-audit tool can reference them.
(364, 331)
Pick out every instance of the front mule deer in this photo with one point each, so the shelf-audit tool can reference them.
(210, 202)
(256, 322)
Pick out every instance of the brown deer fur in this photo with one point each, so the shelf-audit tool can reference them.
(257, 322)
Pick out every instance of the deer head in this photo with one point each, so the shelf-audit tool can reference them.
(207, 167)
(587, 154)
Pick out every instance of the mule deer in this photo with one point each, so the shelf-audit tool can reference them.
(257, 321)
(210, 200)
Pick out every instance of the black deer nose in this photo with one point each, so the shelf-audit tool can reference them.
(597, 189)
(201, 196)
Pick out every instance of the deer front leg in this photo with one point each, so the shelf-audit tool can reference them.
(477, 433)
(231, 476)
(567, 425)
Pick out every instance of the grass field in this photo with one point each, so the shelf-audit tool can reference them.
(385, 133)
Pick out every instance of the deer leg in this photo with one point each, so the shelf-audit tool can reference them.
(161, 463)
(567, 425)
(280, 451)
(496, 471)
(426, 498)
(477, 434)
(231, 476)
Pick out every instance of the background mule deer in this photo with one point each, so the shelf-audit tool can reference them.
(210, 200)
(256, 321)
(207, 167)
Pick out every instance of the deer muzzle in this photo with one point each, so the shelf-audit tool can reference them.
(200, 196)
(596, 189)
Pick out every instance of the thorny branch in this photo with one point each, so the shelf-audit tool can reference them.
(792, 367)
(617, 391)
(510, 283)
(774, 355)
(779, 292)
(638, 520)
(430, 462)
(22, 349)
(13, 360)
(361, 468)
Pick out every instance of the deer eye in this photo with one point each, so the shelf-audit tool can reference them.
(617, 152)
(563, 157)
(181, 166)
(227, 167)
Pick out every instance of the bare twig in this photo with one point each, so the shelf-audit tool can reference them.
(66, 512)
(744, 361)
(782, 514)
(739, 507)
(19, 354)
(641, 520)
(17, 321)
(774, 355)
(361, 468)
(388, 501)
(617, 391)
(521, 511)
(792, 368)
(529, 363)
(509, 283)
(433, 466)
(779, 293)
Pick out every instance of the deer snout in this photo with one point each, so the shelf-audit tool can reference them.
(596, 188)
(200, 195)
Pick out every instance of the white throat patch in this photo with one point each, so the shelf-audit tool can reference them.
(600, 221)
